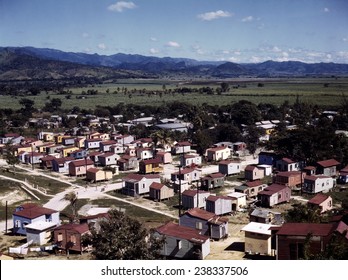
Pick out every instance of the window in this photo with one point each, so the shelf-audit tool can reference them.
(73, 239)
(60, 237)
(18, 223)
(199, 225)
(179, 244)
(279, 195)
(143, 186)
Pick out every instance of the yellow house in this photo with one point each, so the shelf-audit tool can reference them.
(66, 151)
(23, 148)
(48, 137)
(42, 148)
(80, 142)
(59, 138)
(96, 175)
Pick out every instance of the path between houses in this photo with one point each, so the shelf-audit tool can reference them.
(58, 203)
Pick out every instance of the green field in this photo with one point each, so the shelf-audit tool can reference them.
(320, 91)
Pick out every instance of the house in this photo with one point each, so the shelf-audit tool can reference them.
(207, 223)
(292, 239)
(343, 176)
(266, 216)
(61, 165)
(96, 175)
(194, 199)
(322, 202)
(68, 237)
(32, 213)
(46, 162)
(251, 189)
(183, 242)
(239, 202)
(94, 156)
(180, 186)
(137, 184)
(143, 143)
(165, 157)
(253, 173)
(219, 205)
(309, 170)
(268, 158)
(78, 154)
(40, 232)
(108, 159)
(187, 174)
(80, 167)
(66, 151)
(292, 179)
(212, 181)
(286, 164)
(267, 169)
(127, 162)
(160, 191)
(258, 239)
(105, 146)
(68, 141)
(93, 144)
(123, 139)
(33, 158)
(181, 148)
(273, 195)
(150, 166)
(327, 167)
(190, 160)
(318, 183)
(230, 167)
(144, 153)
(116, 148)
(218, 153)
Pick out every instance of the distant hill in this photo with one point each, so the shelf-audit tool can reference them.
(26, 66)
(42, 63)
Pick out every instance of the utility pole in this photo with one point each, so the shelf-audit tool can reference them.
(180, 202)
(6, 210)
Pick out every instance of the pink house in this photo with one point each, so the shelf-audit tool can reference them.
(252, 173)
(320, 201)
(80, 167)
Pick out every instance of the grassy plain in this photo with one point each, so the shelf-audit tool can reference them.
(320, 91)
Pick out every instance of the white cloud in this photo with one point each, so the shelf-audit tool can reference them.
(153, 39)
(345, 39)
(121, 6)
(214, 15)
(154, 51)
(276, 49)
(256, 59)
(102, 46)
(248, 19)
(173, 44)
(85, 35)
(326, 10)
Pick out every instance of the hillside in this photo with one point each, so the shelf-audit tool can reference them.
(28, 63)
(20, 66)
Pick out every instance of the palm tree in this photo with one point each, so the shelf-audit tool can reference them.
(72, 198)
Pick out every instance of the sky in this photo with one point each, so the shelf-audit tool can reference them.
(240, 31)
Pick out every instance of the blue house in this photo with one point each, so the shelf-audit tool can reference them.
(268, 158)
(30, 213)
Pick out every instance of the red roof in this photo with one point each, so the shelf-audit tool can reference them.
(217, 197)
(139, 177)
(227, 162)
(287, 160)
(318, 199)
(206, 216)
(156, 186)
(185, 143)
(184, 171)
(175, 230)
(82, 162)
(254, 183)
(272, 189)
(192, 193)
(328, 163)
(315, 177)
(289, 173)
(250, 168)
(31, 211)
(215, 149)
(302, 229)
(150, 161)
(80, 228)
(215, 175)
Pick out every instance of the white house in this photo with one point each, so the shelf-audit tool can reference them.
(317, 184)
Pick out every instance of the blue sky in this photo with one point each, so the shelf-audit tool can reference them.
(220, 30)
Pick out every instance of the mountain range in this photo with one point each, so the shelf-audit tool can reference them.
(26, 63)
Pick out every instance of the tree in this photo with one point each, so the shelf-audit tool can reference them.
(28, 106)
(72, 198)
(123, 238)
(300, 213)
(224, 87)
(11, 157)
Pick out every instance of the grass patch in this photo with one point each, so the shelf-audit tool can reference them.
(52, 186)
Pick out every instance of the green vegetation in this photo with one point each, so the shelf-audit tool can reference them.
(319, 91)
